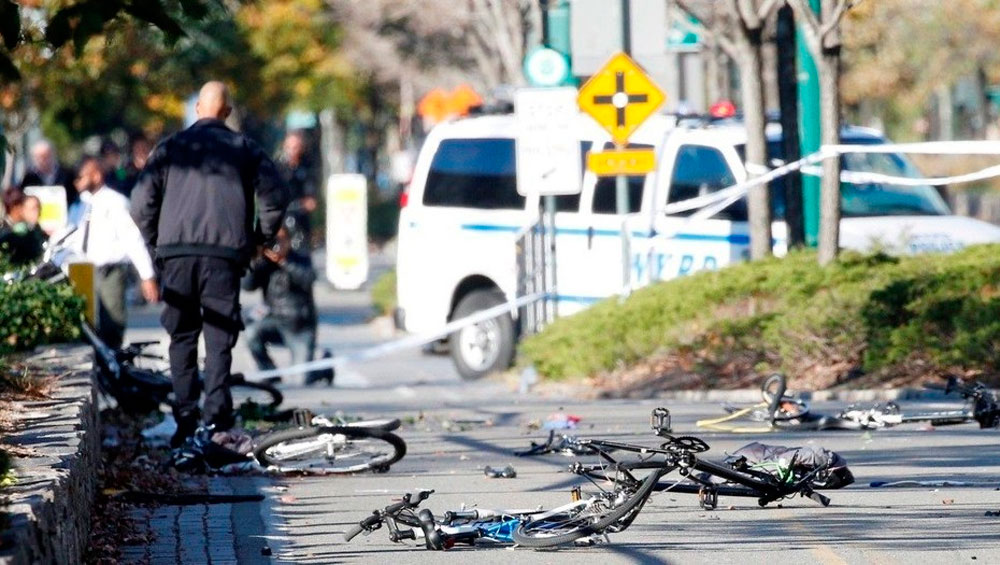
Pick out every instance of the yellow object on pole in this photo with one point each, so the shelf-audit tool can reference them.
(622, 162)
(81, 277)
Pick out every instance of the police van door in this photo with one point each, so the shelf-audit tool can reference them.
(682, 245)
(604, 230)
(573, 262)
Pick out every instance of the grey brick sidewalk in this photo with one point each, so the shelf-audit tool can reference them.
(203, 534)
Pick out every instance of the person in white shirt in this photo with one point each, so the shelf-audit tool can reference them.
(108, 237)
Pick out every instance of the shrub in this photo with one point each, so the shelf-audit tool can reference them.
(384, 293)
(869, 312)
(34, 313)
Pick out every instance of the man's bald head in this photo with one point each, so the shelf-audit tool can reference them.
(213, 101)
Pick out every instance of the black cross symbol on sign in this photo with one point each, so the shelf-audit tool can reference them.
(620, 99)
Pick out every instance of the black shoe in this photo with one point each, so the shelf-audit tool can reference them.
(321, 375)
(199, 454)
(185, 430)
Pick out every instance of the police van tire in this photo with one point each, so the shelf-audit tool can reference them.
(483, 348)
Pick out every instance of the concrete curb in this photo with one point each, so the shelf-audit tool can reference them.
(49, 506)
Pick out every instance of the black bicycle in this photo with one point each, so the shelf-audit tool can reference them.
(780, 410)
(137, 390)
(622, 491)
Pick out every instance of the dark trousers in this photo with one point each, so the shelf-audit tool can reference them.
(201, 294)
(300, 342)
(111, 314)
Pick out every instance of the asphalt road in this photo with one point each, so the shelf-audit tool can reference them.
(454, 429)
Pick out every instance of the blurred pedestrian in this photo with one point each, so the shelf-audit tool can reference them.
(286, 277)
(21, 239)
(108, 237)
(194, 203)
(45, 170)
(138, 154)
(300, 178)
(111, 165)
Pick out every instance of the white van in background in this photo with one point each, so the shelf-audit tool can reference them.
(462, 213)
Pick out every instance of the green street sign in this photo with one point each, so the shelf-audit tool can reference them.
(684, 33)
(546, 67)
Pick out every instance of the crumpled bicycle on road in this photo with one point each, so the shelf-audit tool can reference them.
(780, 410)
(622, 491)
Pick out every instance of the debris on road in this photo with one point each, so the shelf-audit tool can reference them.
(507, 472)
(561, 421)
(935, 484)
(564, 445)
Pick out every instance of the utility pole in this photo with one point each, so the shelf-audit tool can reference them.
(809, 129)
(788, 102)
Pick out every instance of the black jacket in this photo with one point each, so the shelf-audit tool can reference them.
(195, 195)
(287, 288)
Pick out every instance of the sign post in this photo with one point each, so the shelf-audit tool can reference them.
(619, 98)
(548, 161)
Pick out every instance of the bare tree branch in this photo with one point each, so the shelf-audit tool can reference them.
(809, 24)
(714, 29)
(767, 8)
(838, 13)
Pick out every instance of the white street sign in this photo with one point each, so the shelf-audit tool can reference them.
(347, 231)
(548, 150)
(54, 211)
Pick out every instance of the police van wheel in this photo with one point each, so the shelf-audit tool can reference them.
(482, 348)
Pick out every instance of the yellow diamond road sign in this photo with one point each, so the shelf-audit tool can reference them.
(620, 97)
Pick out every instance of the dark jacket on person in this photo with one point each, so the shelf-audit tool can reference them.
(195, 196)
(64, 177)
(21, 244)
(301, 183)
(287, 288)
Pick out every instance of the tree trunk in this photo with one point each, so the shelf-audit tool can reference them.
(713, 71)
(946, 113)
(331, 144)
(982, 119)
(829, 219)
(758, 198)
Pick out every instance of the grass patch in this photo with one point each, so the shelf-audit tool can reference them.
(18, 381)
(6, 470)
(384, 293)
(872, 313)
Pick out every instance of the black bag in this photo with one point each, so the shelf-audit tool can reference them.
(794, 463)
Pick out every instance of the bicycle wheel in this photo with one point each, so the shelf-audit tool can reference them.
(583, 520)
(139, 391)
(334, 449)
(262, 394)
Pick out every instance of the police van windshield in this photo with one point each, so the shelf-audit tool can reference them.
(869, 199)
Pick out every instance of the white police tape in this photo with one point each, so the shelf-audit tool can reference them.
(408, 342)
(709, 205)
(706, 206)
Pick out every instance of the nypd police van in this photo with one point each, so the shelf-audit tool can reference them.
(462, 214)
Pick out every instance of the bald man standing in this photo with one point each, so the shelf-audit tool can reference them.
(194, 203)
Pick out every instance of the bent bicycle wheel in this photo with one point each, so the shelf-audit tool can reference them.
(560, 528)
(262, 394)
(330, 450)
